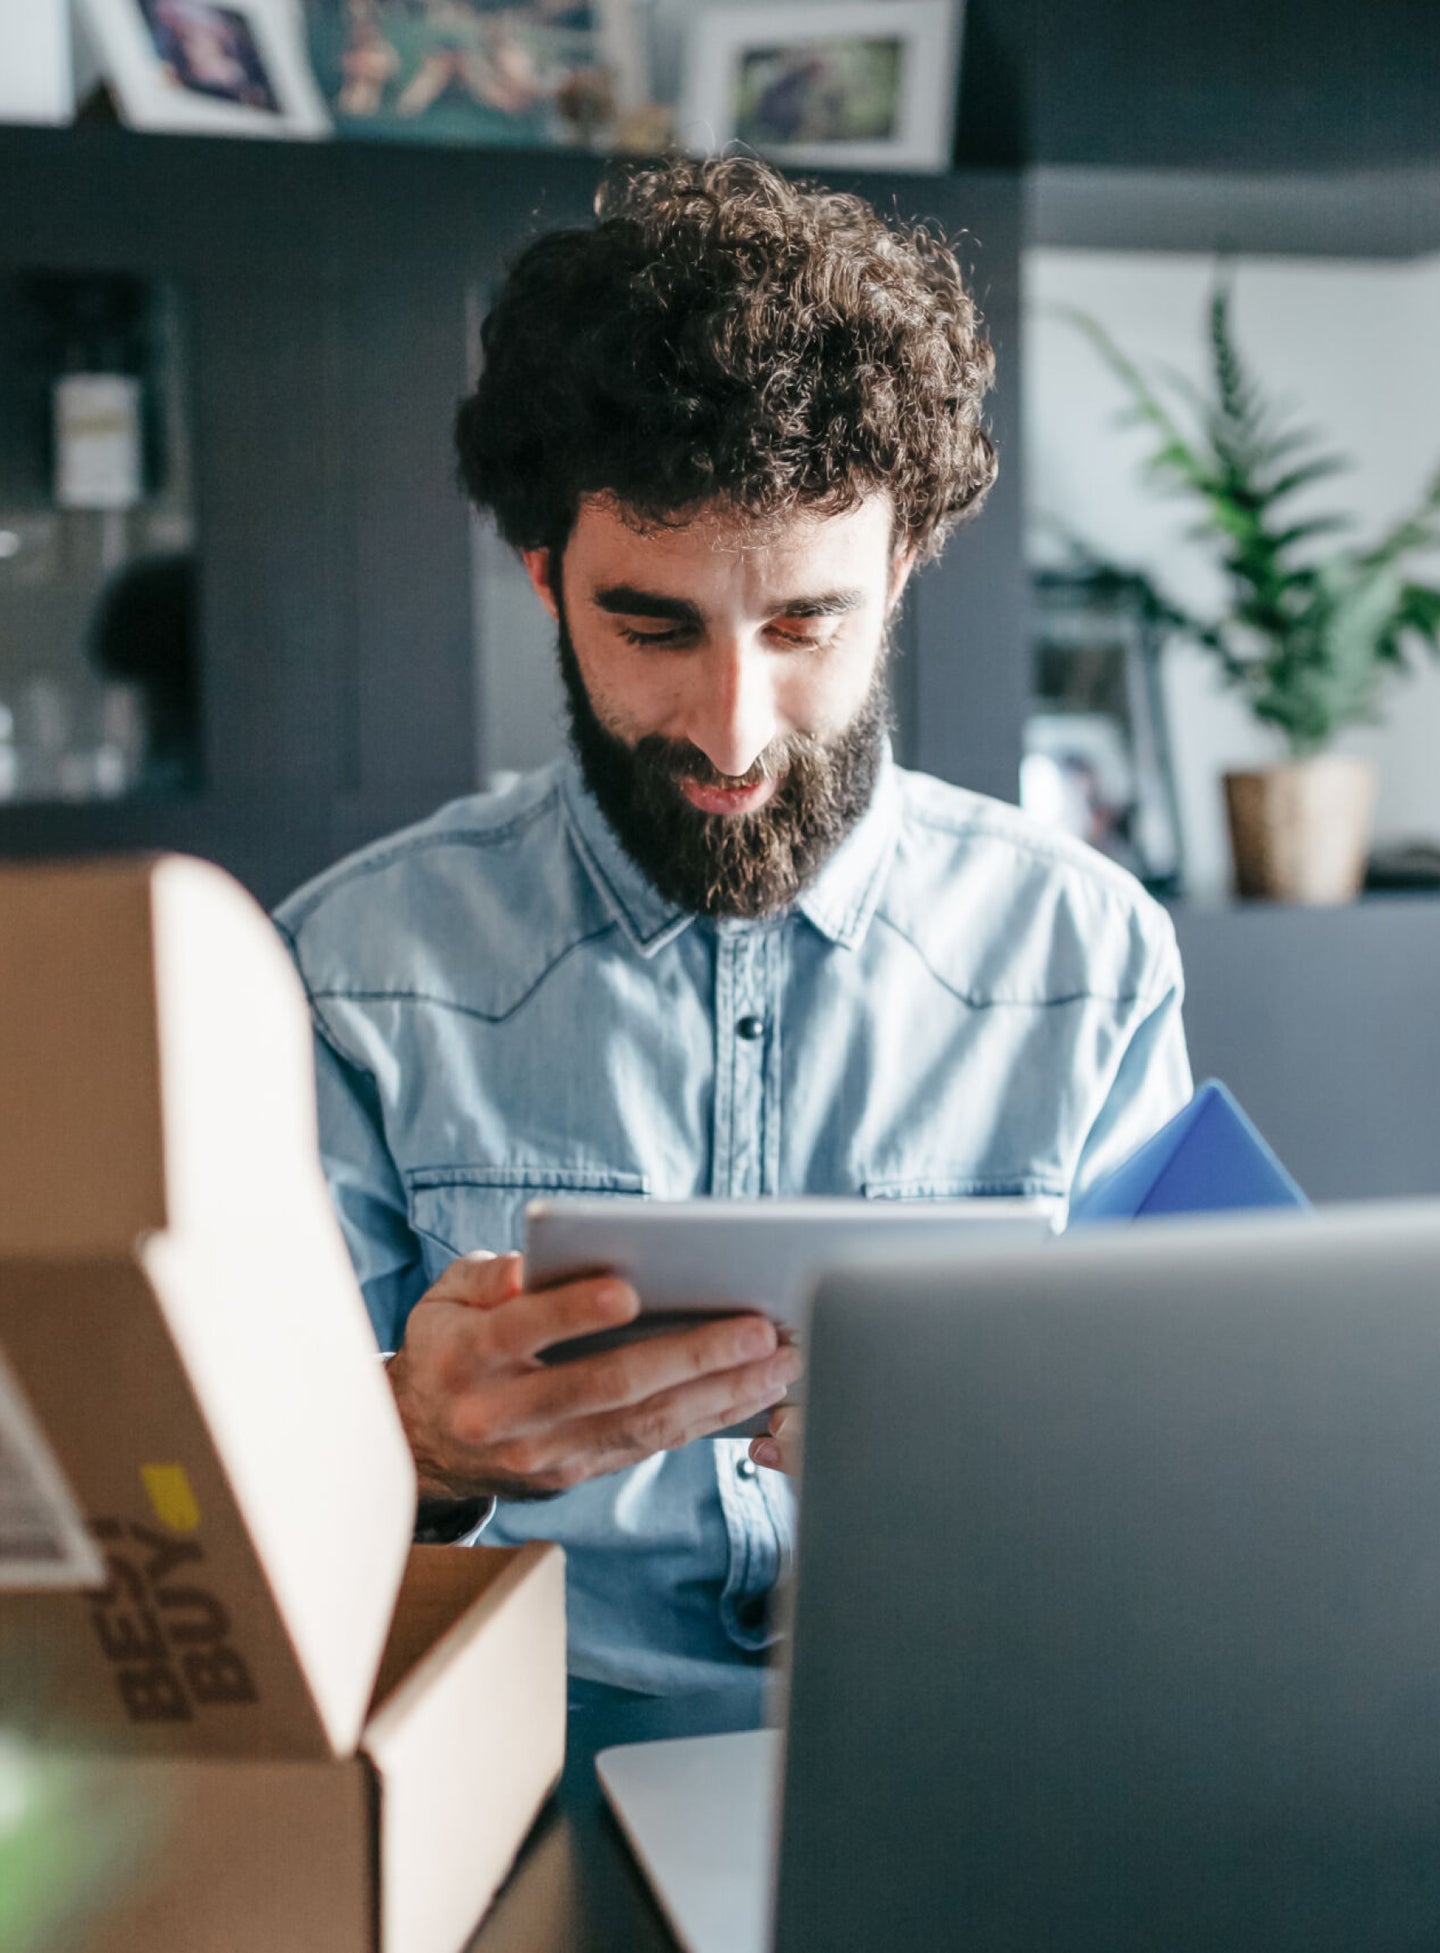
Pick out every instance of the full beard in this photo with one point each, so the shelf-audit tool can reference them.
(743, 865)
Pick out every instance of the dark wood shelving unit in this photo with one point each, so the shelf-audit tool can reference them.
(331, 292)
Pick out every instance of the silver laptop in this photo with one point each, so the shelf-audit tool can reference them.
(1118, 1610)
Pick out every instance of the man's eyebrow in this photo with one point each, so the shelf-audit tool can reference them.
(829, 603)
(625, 600)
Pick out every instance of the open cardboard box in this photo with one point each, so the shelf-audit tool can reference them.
(206, 1498)
(400, 1846)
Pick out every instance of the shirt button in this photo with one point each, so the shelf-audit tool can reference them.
(751, 1027)
(746, 1468)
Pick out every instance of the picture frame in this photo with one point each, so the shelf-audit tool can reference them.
(1096, 749)
(859, 84)
(37, 79)
(535, 73)
(211, 67)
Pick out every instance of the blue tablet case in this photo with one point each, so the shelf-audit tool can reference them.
(1209, 1159)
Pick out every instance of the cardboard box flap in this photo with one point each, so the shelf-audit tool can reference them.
(82, 1156)
(281, 1357)
(156, 1052)
(176, 1213)
(182, 1649)
(467, 1733)
(219, 1417)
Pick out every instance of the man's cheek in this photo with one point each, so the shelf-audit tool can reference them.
(829, 712)
(611, 707)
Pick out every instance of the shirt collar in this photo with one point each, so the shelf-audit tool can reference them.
(647, 918)
(839, 902)
(843, 896)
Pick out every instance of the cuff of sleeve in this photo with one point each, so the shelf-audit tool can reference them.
(452, 1522)
(447, 1522)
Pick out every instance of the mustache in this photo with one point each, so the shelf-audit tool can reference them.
(677, 760)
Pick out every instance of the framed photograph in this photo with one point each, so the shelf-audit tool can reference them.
(1096, 749)
(36, 75)
(542, 73)
(861, 84)
(217, 67)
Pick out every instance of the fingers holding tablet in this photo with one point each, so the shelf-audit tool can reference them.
(486, 1414)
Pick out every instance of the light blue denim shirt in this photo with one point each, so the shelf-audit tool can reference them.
(962, 1002)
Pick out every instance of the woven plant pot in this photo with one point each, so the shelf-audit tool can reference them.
(1301, 832)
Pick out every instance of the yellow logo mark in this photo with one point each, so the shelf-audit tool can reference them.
(172, 1497)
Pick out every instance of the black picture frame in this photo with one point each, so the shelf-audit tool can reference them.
(1096, 747)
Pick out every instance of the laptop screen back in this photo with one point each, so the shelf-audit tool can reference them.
(1118, 1615)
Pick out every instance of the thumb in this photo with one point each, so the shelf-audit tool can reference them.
(480, 1280)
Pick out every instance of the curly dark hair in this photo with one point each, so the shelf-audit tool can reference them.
(724, 332)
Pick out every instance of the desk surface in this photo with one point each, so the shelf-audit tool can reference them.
(575, 1887)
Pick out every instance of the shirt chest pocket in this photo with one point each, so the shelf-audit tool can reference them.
(456, 1210)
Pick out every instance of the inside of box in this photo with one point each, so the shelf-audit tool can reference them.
(440, 1584)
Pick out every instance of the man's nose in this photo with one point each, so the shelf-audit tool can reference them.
(732, 716)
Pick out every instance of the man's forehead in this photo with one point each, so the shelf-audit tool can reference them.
(720, 529)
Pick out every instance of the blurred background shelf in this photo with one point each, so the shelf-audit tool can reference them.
(1380, 212)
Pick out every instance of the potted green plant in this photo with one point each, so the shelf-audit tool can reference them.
(1309, 637)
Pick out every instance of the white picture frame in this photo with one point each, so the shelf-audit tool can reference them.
(748, 69)
(207, 67)
(37, 78)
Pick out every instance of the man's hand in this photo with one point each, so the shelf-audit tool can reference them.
(780, 1451)
(484, 1415)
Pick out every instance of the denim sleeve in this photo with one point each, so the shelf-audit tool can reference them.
(368, 1196)
(1151, 1081)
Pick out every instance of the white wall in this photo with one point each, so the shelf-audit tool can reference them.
(1356, 344)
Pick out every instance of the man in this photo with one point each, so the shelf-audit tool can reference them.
(727, 947)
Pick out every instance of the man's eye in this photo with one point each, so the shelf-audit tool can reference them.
(651, 637)
(679, 634)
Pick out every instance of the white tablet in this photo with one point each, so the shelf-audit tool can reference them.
(693, 1258)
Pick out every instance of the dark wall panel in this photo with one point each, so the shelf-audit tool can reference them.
(969, 679)
(270, 511)
(1231, 85)
(409, 572)
(970, 676)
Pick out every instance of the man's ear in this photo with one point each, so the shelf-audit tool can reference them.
(539, 566)
(901, 564)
